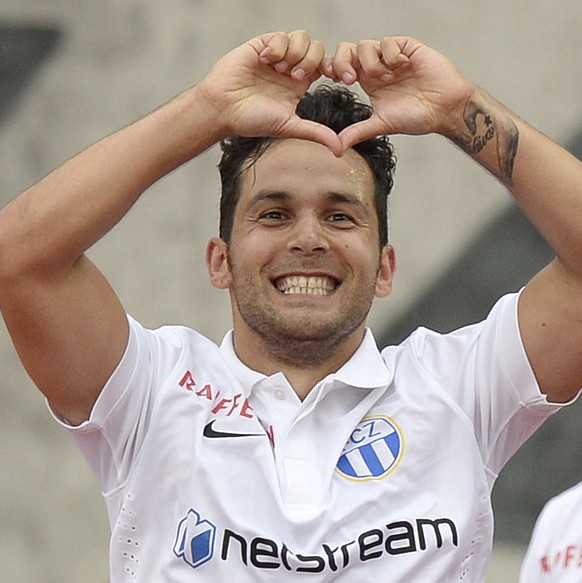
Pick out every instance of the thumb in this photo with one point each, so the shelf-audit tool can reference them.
(315, 132)
(359, 132)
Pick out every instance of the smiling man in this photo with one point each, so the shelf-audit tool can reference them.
(296, 449)
(303, 262)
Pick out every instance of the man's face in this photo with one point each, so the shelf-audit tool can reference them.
(304, 263)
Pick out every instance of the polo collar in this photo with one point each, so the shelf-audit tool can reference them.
(366, 369)
(245, 375)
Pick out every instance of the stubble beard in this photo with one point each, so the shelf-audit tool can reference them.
(299, 338)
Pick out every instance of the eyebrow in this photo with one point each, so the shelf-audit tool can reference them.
(284, 196)
(268, 195)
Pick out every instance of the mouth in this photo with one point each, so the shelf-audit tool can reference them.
(317, 285)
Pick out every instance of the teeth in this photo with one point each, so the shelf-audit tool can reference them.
(299, 284)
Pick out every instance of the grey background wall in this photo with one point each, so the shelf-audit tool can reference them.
(73, 70)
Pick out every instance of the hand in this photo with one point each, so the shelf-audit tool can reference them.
(413, 89)
(255, 88)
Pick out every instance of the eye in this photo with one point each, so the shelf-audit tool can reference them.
(341, 219)
(273, 216)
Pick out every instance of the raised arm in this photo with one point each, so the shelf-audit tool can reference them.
(66, 322)
(416, 90)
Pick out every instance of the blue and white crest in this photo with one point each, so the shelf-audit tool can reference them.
(195, 539)
(373, 450)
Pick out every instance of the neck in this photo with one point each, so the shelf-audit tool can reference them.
(304, 363)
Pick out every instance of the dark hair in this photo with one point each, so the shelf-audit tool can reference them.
(335, 107)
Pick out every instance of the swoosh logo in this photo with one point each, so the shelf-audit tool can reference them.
(212, 433)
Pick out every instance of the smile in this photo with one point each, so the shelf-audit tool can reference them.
(300, 284)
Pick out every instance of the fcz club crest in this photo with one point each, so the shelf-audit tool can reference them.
(373, 450)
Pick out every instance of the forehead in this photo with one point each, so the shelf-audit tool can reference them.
(304, 167)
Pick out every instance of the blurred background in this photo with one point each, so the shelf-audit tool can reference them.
(72, 71)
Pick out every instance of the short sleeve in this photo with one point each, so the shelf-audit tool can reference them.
(111, 438)
(485, 370)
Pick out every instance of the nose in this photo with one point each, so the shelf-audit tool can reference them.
(308, 236)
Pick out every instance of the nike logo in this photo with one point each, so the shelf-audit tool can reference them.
(209, 431)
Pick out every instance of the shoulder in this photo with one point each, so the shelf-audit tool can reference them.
(169, 337)
(154, 354)
(565, 501)
(499, 330)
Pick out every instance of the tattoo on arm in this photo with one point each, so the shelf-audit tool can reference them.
(484, 128)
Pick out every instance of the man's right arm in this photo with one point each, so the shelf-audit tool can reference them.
(66, 322)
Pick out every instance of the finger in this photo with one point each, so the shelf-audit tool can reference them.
(392, 50)
(344, 64)
(297, 46)
(299, 42)
(294, 52)
(359, 132)
(275, 47)
(315, 132)
(326, 67)
(372, 61)
(309, 67)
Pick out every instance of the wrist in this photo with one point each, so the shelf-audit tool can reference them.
(455, 122)
(200, 118)
(489, 133)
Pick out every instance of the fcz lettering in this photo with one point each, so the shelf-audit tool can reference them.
(364, 432)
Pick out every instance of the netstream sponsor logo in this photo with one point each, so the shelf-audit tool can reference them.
(195, 544)
(195, 539)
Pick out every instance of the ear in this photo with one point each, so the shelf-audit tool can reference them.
(386, 272)
(217, 263)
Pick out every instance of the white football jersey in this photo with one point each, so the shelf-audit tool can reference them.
(214, 472)
(554, 553)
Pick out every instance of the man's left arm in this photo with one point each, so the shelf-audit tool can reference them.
(415, 90)
(546, 181)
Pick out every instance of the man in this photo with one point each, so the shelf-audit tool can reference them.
(555, 549)
(296, 449)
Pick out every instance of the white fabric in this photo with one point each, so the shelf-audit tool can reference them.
(554, 553)
(383, 472)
